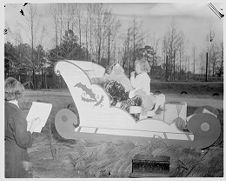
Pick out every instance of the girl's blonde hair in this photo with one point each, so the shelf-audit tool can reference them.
(13, 89)
(144, 65)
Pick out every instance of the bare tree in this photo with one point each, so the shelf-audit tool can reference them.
(86, 33)
(37, 34)
(202, 64)
(222, 60)
(181, 53)
(61, 10)
(126, 50)
(165, 55)
(137, 37)
(95, 13)
(209, 39)
(111, 27)
(194, 49)
(98, 11)
(154, 43)
(133, 43)
(103, 28)
(55, 15)
(187, 66)
(217, 59)
(171, 44)
(77, 16)
(68, 14)
(31, 20)
(90, 29)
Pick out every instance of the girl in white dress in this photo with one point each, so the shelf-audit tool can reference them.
(141, 87)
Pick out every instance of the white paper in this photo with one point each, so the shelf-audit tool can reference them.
(38, 110)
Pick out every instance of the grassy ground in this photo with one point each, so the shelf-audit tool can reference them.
(200, 89)
(55, 157)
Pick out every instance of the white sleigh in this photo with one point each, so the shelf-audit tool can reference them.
(98, 119)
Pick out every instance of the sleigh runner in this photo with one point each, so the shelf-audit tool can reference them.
(96, 117)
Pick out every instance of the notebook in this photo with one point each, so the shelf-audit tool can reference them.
(38, 110)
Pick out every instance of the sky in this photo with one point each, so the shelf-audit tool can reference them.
(195, 20)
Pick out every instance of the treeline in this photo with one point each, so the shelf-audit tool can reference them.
(35, 72)
(91, 32)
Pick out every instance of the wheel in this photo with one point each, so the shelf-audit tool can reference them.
(66, 122)
(206, 129)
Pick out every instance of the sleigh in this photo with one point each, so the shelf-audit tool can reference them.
(97, 119)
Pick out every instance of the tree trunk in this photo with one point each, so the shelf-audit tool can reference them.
(174, 65)
(61, 22)
(56, 29)
(33, 78)
(99, 43)
(166, 74)
(206, 66)
(46, 86)
(90, 36)
(80, 30)
(43, 79)
(99, 50)
(109, 44)
(32, 47)
(87, 46)
(214, 64)
(222, 63)
(222, 60)
(194, 61)
(180, 64)
(134, 47)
